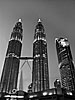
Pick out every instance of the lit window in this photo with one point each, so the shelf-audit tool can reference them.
(44, 55)
(31, 96)
(50, 93)
(69, 93)
(64, 43)
(44, 93)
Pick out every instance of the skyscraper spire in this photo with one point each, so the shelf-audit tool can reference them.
(40, 74)
(39, 20)
(20, 20)
(11, 65)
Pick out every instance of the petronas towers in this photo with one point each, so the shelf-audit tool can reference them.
(40, 70)
(40, 74)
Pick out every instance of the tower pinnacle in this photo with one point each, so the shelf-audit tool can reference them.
(20, 20)
(39, 20)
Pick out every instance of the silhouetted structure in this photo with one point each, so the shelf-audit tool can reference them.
(51, 94)
(66, 65)
(11, 64)
(57, 83)
(40, 75)
(30, 88)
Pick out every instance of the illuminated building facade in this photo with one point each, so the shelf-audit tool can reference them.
(40, 74)
(11, 65)
(50, 94)
(66, 65)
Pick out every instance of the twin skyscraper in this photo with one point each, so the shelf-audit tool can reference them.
(40, 71)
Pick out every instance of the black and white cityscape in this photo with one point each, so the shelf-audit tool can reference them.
(26, 76)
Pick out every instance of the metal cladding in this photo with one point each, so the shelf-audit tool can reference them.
(21, 81)
(11, 65)
(40, 74)
(66, 64)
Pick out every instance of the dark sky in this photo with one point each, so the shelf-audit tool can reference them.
(58, 18)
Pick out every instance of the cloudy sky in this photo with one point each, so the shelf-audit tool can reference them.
(58, 18)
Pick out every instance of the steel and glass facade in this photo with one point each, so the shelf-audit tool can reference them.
(66, 64)
(40, 74)
(11, 65)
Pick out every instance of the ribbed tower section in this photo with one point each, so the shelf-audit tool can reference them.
(66, 64)
(40, 74)
(11, 65)
(21, 81)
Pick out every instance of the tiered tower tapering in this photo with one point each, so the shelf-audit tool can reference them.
(66, 64)
(40, 74)
(11, 65)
